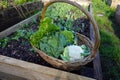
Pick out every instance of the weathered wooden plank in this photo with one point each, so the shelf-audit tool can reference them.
(17, 26)
(5, 76)
(32, 71)
(96, 61)
(97, 67)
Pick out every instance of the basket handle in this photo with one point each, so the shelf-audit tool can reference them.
(90, 17)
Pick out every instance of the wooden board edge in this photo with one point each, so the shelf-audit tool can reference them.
(5, 76)
(97, 67)
(32, 71)
(96, 61)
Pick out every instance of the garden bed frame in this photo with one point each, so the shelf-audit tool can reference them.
(30, 71)
(14, 69)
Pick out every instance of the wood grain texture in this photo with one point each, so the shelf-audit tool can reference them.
(5, 76)
(97, 67)
(32, 71)
(96, 61)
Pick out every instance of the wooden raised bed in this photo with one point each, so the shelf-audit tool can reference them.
(13, 69)
(30, 71)
(13, 15)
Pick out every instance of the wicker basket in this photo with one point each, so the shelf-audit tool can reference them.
(81, 40)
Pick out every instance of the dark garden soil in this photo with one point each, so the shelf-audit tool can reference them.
(10, 16)
(22, 49)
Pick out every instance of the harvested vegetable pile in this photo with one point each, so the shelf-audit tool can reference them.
(52, 40)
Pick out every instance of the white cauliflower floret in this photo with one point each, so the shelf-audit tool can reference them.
(75, 52)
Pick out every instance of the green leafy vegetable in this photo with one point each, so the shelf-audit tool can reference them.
(19, 33)
(53, 44)
(50, 39)
(86, 50)
(46, 26)
(69, 35)
(4, 42)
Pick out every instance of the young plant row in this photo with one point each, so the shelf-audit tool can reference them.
(24, 33)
